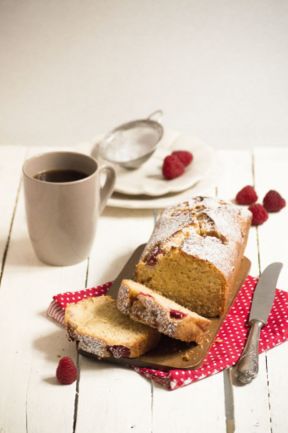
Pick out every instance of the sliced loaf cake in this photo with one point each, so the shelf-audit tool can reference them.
(146, 306)
(102, 330)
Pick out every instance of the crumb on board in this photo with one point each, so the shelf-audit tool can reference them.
(186, 357)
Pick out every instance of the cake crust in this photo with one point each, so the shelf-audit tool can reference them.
(146, 306)
(102, 330)
(197, 245)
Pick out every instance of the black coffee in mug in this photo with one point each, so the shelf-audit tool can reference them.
(60, 175)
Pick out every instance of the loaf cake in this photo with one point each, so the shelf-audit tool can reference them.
(195, 252)
(102, 330)
(146, 306)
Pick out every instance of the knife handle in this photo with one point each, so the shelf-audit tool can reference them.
(247, 366)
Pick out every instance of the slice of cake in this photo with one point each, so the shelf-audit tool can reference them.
(103, 331)
(146, 306)
(195, 252)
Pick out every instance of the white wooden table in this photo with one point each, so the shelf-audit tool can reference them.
(108, 398)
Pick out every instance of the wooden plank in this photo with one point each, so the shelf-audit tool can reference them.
(11, 160)
(182, 410)
(271, 172)
(251, 414)
(112, 398)
(31, 344)
(237, 171)
(271, 168)
(198, 407)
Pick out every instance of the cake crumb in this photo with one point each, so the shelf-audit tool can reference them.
(186, 357)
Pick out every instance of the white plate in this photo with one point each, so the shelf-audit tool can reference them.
(148, 179)
(204, 187)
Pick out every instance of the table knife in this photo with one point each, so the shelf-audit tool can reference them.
(246, 368)
(229, 401)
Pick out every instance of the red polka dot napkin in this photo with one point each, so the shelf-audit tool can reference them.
(228, 344)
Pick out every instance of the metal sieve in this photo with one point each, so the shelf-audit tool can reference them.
(131, 144)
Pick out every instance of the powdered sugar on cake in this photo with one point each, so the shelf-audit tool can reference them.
(202, 227)
(148, 307)
(93, 346)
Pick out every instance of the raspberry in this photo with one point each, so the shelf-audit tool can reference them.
(185, 157)
(246, 195)
(273, 202)
(66, 372)
(146, 295)
(151, 258)
(172, 167)
(259, 214)
(119, 351)
(175, 314)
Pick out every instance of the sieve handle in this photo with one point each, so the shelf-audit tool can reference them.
(156, 116)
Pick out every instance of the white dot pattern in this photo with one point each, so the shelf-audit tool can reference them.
(228, 344)
(64, 299)
(231, 338)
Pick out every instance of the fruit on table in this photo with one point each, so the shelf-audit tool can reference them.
(273, 201)
(66, 372)
(246, 195)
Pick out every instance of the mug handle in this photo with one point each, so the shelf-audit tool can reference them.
(107, 189)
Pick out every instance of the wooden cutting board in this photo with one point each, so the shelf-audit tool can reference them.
(172, 353)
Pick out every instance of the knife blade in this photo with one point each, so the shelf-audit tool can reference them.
(264, 293)
(246, 368)
(127, 271)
